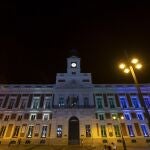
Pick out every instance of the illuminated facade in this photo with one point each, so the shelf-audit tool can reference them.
(73, 110)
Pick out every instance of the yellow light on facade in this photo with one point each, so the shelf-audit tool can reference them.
(126, 70)
(122, 117)
(114, 117)
(138, 66)
(122, 66)
(134, 61)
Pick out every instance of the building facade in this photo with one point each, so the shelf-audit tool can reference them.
(74, 111)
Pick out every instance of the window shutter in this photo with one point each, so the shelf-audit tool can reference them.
(26, 116)
(50, 116)
(13, 116)
(108, 116)
(123, 127)
(17, 101)
(129, 100)
(41, 101)
(96, 115)
(30, 101)
(6, 100)
(39, 116)
(133, 114)
(117, 100)
(105, 100)
(137, 128)
(1, 116)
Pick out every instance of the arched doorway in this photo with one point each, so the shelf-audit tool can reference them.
(73, 131)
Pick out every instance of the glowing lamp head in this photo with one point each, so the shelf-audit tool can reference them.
(114, 117)
(138, 66)
(134, 61)
(126, 70)
(122, 117)
(122, 66)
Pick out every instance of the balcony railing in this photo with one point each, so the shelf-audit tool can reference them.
(73, 107)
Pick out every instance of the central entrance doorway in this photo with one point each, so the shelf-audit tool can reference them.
(73, 131)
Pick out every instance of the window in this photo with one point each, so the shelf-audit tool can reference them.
(88, 130)
(144, 130)
(47, 103)
(140, 116)
(44, 131)
(86, 102)
(117, 131)
(35, 104)
(16, 131)
(2, 131)
(61, 80)
(135, 102)
(147, 102)
(130, 129)
(11, 103)
(113, 115)
(6, 118)
(30, 131)
(46, 117)
(103, 131)
(61, 102)
(123, 102)
(99, 103)
(33, 117)
(127, 116)
(111, 102)
(86, 80)
(101, 116)
(19, 118)
(59, 131)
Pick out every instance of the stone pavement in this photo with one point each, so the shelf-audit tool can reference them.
(48, 147)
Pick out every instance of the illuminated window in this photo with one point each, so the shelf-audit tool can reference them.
(46, 117)
(144, 130)
(16, 131)
(140, 116)
(2, 131)
(117, 131)
(135, 102)
(44, 132)
(30, 131)
(59, 131)
(103, 131)
(130, 129)
(33, 117)
(123, 102)
(99, 103)
(101, 117)
(88, 130)
(127, 116)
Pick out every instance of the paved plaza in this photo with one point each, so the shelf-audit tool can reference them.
(48, 147)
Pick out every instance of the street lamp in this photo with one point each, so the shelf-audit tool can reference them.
(129, 67)
(118, 119)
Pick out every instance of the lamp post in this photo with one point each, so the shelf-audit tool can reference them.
(118, 119)
(130, 66)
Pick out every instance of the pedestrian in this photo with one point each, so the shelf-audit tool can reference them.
(114, 147)
(105, 147)
(19, 141)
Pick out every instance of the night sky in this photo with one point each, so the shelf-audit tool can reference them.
(37, 37)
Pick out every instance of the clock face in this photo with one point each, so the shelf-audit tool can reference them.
(73, 65)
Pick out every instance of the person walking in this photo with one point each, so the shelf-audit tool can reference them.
(114, 147)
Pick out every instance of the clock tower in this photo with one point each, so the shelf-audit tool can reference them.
(73, 65)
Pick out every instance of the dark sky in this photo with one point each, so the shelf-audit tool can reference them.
(36, 38)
